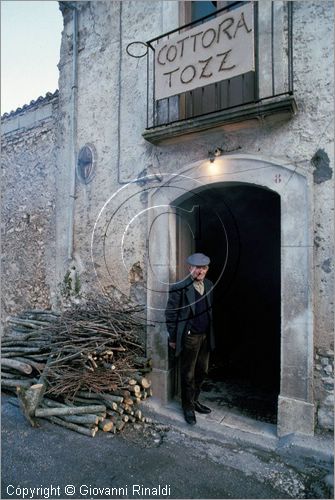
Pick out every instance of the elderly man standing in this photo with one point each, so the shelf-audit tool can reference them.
(189, 323)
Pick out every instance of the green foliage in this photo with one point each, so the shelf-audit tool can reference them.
(71, 286)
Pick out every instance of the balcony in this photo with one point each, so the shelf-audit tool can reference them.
(261, 89)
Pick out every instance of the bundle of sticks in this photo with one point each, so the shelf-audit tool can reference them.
(83, 369)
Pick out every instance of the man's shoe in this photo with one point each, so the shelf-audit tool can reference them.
(190, 417)
(201, 408)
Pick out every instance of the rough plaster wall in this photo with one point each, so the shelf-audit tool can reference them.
(317, 134)
(112, 114)
(28, 217)
(105, 29)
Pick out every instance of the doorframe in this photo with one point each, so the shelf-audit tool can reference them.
(294, 185)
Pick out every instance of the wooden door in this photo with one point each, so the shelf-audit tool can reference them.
(187, 224)
(187, 233)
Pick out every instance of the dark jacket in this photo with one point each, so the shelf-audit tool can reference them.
(179, 310)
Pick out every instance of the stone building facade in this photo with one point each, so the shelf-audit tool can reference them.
(125, 228)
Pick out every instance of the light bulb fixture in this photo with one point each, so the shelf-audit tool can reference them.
(214, 154)
(211, 156)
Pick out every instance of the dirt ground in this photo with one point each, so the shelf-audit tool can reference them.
(146, 461)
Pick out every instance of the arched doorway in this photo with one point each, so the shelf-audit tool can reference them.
(295, 406)
(238, 226)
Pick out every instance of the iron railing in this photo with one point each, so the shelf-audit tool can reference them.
(273, 75)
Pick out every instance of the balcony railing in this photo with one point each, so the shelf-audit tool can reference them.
(271, 81)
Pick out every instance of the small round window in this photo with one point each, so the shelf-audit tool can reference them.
(86, 164)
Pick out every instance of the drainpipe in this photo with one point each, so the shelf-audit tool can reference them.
(73, 132)
(119, 100)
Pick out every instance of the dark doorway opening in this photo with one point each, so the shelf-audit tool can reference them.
(238, 226)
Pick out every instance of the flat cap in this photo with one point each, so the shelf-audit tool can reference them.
(198, 259)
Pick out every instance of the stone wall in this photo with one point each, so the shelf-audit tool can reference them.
(324, 387)
(28, 206)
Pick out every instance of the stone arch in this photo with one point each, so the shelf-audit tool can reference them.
(293, 185)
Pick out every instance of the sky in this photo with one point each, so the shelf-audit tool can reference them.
(30, 47)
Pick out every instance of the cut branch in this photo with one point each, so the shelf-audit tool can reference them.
(17, 365)
(69, 410)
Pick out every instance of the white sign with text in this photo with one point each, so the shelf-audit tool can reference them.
(211, 52)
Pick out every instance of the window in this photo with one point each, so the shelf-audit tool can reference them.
(86, 163)
(226, 94)
(202, 9)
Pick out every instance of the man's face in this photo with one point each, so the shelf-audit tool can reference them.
(198, 272)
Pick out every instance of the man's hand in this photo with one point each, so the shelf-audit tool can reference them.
(172, 345)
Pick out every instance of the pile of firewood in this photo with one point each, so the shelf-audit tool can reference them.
(83, 369)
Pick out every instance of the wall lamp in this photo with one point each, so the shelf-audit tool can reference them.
(213, 154)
